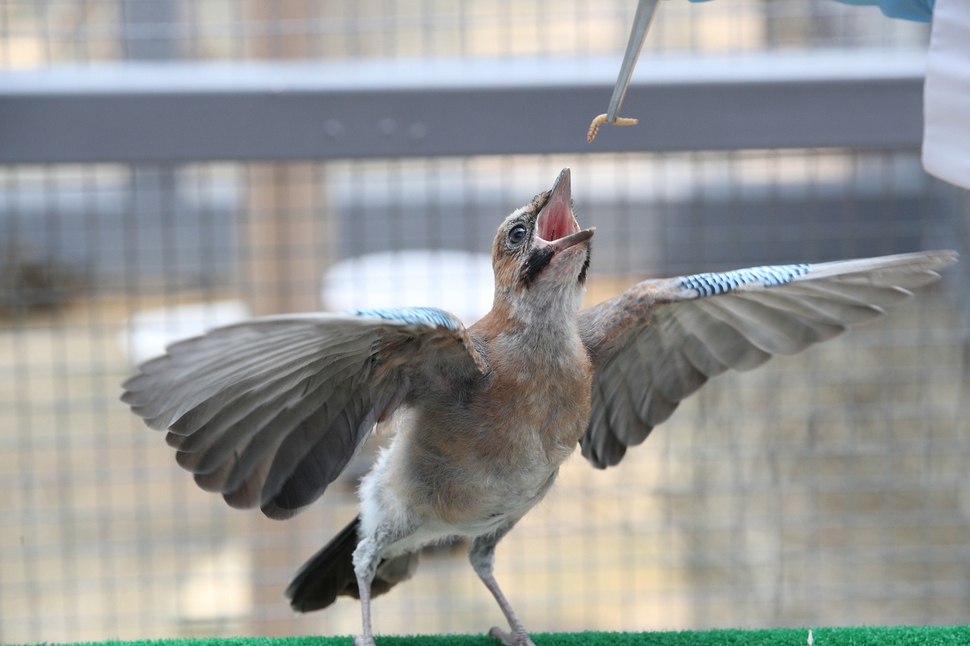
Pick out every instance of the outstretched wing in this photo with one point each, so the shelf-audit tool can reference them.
(269, 412)
(661, 340)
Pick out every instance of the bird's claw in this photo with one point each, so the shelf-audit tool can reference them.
(360, 640)
(517, 638)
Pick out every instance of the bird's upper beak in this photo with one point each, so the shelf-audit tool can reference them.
(556, 227)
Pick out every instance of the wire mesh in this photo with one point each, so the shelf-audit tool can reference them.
(827, 488)
(59, 31)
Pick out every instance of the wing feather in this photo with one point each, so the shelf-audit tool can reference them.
(263, 444)
(601, 449)
(672, 360)
(660, 341)
(296, 480)
(343, 428)
(774, 330)
(727, 345)
(233, 427)
(269, 412)
(171, 385)
(239, 396)
(212, 481)
(858, 293)
(621, 414)
(814, 308)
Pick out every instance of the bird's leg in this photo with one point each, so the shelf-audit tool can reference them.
(366, 559)
(367, 556)
(482, 557)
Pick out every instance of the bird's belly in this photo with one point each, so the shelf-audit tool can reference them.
(428, 500)
(490, 515)
(475, 469)
(480, 500)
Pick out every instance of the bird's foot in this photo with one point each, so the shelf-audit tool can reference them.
(516, 638)
(360, 640)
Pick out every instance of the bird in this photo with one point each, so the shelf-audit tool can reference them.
(270, 411)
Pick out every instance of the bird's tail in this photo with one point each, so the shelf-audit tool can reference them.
(330, 573)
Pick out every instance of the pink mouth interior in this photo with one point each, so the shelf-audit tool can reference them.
(555, 220)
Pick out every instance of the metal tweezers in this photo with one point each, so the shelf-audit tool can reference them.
(646, 10)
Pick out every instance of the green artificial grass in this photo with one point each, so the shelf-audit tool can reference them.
(895, 636)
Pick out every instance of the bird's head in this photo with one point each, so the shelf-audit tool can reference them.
(540, 255)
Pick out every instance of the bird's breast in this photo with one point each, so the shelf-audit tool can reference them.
(495, 453)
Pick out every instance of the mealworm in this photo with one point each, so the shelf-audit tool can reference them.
(601, 119)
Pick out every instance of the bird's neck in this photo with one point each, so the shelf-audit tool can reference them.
(543, 308)
(533, 323)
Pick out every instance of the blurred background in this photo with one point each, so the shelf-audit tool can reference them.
(830, 488)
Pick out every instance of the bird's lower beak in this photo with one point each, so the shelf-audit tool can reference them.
(571, 240)
(556, 225)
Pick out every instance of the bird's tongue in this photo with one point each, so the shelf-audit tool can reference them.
(556, 218)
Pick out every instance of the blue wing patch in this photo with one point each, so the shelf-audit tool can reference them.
(414, 316)
(712, 284)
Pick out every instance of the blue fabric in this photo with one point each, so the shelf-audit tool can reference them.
(413, 315)
(918, 10)
(711, 284)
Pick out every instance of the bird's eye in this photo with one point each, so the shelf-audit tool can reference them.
(517, 234)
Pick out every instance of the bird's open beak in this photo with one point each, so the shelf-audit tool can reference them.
(557, 227)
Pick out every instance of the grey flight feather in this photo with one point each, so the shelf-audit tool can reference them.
(661, 340)
(270, 411)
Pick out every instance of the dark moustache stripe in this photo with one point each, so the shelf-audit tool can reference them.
(538, 260)
(585, 269)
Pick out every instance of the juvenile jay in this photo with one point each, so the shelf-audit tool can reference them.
(270, 411)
